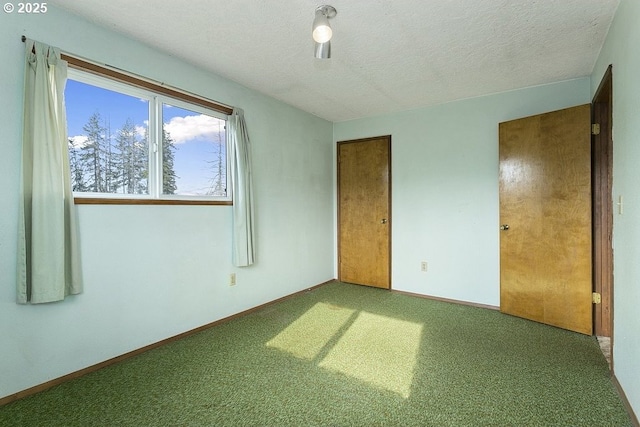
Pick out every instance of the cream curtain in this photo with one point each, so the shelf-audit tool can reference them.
(242, 190)
(48, 252)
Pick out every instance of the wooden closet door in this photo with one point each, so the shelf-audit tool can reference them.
(364, 220)
(545, 217)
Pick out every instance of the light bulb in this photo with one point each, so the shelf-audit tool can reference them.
(322, 33)
(321, 29)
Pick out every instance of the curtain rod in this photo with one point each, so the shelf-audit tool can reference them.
(130, 78)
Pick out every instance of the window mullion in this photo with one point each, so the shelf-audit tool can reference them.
(155, 147)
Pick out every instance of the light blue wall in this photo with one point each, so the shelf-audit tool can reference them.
(152, 272)
(445, 207)
(621, 50)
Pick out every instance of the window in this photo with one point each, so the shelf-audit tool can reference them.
(127, 142)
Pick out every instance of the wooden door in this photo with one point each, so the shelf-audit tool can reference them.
(364, 220)
(545, 214)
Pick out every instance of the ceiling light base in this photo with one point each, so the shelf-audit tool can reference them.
(328, 11)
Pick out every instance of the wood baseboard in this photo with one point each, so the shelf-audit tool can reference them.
(451, 301)
(56, 381)
(625, 401)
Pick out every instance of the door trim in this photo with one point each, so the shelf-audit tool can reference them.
(602, 155)
(389, 198)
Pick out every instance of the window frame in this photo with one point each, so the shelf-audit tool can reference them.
(157, 95)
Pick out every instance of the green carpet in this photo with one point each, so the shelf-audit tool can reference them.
(345, 355)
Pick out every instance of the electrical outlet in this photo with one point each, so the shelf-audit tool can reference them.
(232, 279)
(423, 266)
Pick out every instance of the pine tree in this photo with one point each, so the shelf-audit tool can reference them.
(110, 174)
(218, 165)
(77, 169)
(168, 156)
(130, 160)
(92, 156)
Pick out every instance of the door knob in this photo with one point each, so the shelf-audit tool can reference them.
(383, 221)
(504, 227)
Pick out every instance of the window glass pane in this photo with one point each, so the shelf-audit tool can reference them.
(193, 153)
(108, 140)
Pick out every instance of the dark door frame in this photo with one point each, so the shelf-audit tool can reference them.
(602, 182)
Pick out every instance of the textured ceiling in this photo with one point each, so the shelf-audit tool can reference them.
(387, 56)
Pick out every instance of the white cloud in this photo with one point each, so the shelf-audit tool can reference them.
(141, 131)
(79, 141)
(183, 129)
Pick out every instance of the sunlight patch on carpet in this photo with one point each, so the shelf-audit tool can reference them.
(378, 350)
(311, 332)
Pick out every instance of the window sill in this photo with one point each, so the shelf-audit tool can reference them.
(119, 201)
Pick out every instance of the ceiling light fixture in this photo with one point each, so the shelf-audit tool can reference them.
(321, 31)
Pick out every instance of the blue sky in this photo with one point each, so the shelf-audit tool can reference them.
(194, 134)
